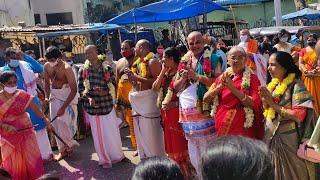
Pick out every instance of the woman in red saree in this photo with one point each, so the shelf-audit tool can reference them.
(175, 143)
(19, 149)
(236, 105)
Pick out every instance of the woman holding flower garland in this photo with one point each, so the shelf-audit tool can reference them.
(175, 143)
(236, 106)
(288, 112)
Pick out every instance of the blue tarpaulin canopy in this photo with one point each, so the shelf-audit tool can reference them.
(304, 13)
(238, 2)
(166, 10)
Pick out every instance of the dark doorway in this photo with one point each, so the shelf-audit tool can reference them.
(37, 19)
(59, 18)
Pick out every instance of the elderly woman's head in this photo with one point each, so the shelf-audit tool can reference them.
(281, 64)
(237, 58)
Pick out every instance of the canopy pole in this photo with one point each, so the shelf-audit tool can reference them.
(40, 49)
(119, 34)
(277, 12)
(135, 26)
(235, 25)
(43, 46)
(204, 20)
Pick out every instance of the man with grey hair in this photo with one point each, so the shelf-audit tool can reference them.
(146, 115)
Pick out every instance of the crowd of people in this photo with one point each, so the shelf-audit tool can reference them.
(210, 112)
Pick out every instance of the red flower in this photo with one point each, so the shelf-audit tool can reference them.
(181, 66)
(107, 76)
(207, 65)
(85, 74)
(276, 99)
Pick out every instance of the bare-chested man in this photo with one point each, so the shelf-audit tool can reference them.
(192, 81)
(146, 115)
(60, 91)
(125, 86)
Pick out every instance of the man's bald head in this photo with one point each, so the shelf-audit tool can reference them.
(195, 34)
(196, 43)
(144, 43)
(142, 47)
(91, 52)
(91, 47)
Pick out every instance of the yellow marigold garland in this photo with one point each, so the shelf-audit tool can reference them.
(277, 91)
(143, 65)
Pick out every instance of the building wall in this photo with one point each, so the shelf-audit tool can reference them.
(14, 11)
(44, 7)
(253, 12)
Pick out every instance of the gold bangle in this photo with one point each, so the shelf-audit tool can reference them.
(244, 98)
(283, 112)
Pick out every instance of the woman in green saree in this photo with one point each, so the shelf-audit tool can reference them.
(288, 109)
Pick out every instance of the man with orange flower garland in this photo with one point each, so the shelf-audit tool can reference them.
(196, 71)
(146, 114)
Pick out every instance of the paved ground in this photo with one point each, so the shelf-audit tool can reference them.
(83, 163)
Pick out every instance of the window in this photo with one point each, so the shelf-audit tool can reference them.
(59, 18)
(37, 19)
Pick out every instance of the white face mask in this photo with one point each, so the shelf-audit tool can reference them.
(14, 63)
(70, 63)
(284, 39)
(243, 38)
(52, 64)
(10, 90)
(109, 56)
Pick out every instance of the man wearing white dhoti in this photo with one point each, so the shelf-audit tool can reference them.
(97, 90)
(146, 115)
(26, 68)
(196, 72)
(60, 91)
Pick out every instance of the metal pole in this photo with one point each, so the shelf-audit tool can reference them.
(41, 53)
(119, 34)
(43, 46)
(277, 12)
(135, 26)
(204, 20)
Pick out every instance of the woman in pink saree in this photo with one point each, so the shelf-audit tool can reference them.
(19, 149)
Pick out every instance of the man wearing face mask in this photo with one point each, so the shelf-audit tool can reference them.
(255, 61)
(26, 68)
(61, 94)
(124, 86)
(250, 46)
(308, 65)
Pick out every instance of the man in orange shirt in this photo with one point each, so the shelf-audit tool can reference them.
(255, 61)
(250, 45)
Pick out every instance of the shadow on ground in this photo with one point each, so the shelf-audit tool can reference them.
(83, 163)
